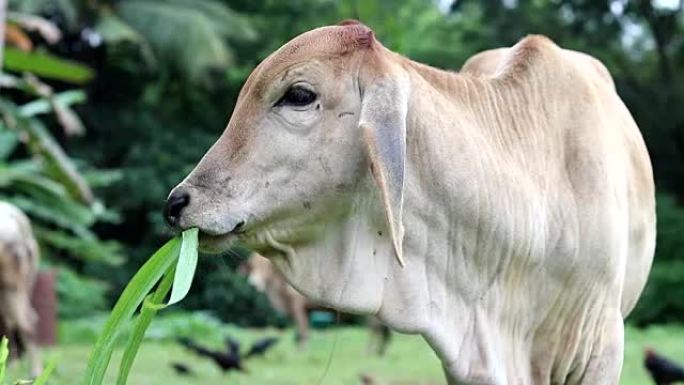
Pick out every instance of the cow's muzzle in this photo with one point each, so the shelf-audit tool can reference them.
(177, 205)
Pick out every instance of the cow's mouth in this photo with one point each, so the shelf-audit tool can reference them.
(267, 237)
(212, 242)
(265, 241)
(216, 243)
(260, 241)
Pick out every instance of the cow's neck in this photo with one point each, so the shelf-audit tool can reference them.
(458, 203)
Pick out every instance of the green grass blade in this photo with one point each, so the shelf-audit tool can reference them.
(134, 293)
(185, 270)
(142, 323)
(42, 379)
(181, 280)
(4, 354)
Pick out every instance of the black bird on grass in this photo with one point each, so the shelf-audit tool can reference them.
(233, 345)
(227, 361)
(261, 346)
(182, 369)
(662, 370)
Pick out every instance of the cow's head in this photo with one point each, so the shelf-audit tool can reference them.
(310, 170)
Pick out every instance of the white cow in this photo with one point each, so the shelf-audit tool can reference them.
(18, 270)
(517, 198)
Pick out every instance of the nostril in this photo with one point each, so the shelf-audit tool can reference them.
(238, 227)
(174, 206)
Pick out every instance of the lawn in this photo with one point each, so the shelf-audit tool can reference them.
(335, 357)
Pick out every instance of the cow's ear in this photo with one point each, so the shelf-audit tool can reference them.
(383, 123)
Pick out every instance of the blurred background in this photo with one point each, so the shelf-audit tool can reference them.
(106, 104)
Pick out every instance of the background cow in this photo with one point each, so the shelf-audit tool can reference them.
(283, 298)
(266, 278)
(18, 268)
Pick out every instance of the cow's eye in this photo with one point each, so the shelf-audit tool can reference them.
(297, 96)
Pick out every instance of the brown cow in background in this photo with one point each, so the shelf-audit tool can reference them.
(264, 276)
(18, 270)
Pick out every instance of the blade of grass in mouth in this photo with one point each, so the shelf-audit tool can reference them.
(175, 262)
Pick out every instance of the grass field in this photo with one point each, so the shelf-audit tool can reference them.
(409, 361)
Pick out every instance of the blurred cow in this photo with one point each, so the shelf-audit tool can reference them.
(283, 298)
(263, 275)
(18, 270)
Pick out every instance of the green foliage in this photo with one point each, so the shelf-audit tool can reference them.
(153, 26)
(48, 186)
(167, 326)
(193, 51)
(230, 296)
(69, 9)
(37, 175)
(196, 325)
(83, 330)
(79, 296)
(38, 139)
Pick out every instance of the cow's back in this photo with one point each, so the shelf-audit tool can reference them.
(569, 200)
(622, 168)
(602, 158)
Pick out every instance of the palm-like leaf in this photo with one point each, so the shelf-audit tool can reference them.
(86, 248)
(8, 142)
(48, 186)
(59, 221)
(56, 163)
(189, 35)
(116, 31)
(225, 21)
